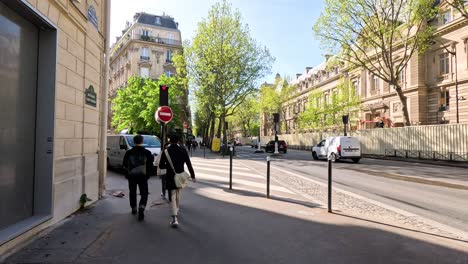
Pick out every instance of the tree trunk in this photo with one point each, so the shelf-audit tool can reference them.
(212, 129)
(218, 133)
(404, 106)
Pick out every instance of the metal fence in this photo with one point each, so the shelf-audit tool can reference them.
(437, 142)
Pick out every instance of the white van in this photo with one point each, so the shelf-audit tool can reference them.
(117, 145)
(336, 148)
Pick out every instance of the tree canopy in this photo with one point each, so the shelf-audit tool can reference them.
(135, 105)
(224, 62)
(378, 36)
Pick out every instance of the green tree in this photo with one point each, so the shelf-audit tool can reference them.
(322, 114)
(460, 6)
(378, 36)
(272, 98)
(248, 117)
(224, 62)
(135, 105)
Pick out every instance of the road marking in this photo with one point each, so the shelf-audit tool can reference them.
(225, 181)
(233, 173)
(196, 164)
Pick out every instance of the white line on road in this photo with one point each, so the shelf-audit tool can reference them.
(243, 182)
(201, 164)
(233, 173)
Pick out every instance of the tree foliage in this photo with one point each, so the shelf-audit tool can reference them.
(378, 36)
(460, 6)
(135, 105)
(321, 114)
(224, 62)
(247, 118)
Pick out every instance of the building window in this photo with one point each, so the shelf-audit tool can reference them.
(355, 88)
(144, 72)
(169, 73)
(144, 54)
(444, 63)
(145, 32)
(444, 100)
(157, 20)
(327, 99)
(446, 17)
(170, 38)
(375, 82)
(402, 76)
(336, 70)
(168, 56)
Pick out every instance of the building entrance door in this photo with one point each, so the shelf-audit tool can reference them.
(18, 90)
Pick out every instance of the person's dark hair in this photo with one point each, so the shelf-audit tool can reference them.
(174, 139)
(138, 139)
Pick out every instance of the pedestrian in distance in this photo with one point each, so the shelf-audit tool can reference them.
(178, 156)
(138, 162)
(188, 144)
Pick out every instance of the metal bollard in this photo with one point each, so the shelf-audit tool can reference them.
(268, 177)
(329, 186)
(230, 168)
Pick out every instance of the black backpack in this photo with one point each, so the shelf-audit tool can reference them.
(137, 164)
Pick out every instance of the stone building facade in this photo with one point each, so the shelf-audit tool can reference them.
(435, 84)
(145, 49)
(53, 112)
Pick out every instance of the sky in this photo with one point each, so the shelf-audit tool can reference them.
(283, 26)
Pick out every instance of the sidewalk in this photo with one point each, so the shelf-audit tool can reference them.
(222, 226)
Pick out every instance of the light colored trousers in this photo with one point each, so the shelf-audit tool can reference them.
(175, 196)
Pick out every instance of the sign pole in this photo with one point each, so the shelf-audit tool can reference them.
(230, 168)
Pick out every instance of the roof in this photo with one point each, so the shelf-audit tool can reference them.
(315, 70)
(148, 19)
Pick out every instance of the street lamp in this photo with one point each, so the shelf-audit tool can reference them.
(454, 54)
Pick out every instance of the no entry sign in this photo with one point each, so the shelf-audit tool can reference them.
(163, 114)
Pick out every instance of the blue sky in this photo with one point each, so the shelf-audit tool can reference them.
(284, 26)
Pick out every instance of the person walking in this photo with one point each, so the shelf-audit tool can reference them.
(162, 174)
(139, 163)
(179, 156)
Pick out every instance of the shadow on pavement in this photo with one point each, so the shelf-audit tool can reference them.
(232, 229)
(399, 227)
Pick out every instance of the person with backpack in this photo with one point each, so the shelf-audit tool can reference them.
(173, 160)
(139, 163)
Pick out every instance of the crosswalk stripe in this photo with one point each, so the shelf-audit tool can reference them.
(217, 166)
(252, 175)
(243, 182)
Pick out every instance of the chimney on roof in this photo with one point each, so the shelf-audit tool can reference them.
(308, 69)
(298, 75)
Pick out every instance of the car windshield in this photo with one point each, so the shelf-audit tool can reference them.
(148, 142)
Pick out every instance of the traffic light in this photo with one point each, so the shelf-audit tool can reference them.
(163, 95)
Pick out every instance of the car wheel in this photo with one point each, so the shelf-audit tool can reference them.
(314, 156)
(333, 157)
(356, 160)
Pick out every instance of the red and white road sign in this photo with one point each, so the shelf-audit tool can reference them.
(164, 114)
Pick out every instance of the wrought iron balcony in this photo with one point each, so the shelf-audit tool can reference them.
(158, 40)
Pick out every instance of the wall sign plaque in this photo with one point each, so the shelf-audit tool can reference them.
(90, 96)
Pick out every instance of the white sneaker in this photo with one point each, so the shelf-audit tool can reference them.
(174, 222)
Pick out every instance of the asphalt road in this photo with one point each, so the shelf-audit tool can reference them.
(436, 192)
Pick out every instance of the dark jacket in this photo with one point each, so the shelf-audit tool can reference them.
(179, 157)
(139, 150)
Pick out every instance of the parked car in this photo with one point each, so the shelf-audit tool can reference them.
(338, 148)
(117, 145)
(282, 146)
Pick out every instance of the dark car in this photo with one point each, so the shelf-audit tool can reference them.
(282, 146)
